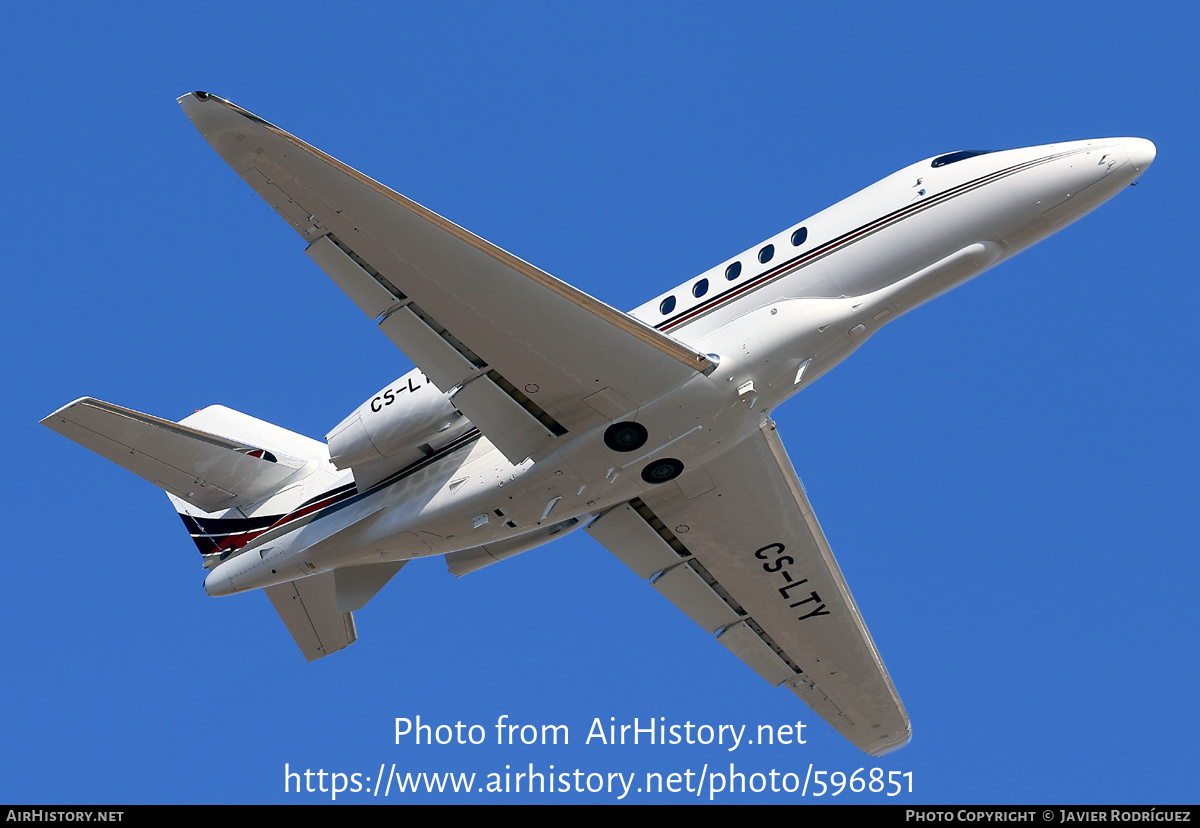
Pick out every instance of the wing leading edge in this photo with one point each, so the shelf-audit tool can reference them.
(743, 556)
(533, 358)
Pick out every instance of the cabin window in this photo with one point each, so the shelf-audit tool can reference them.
(766, 253)
(667, 305)
(799, 237)
(733, 271)
(700, 288)
(950, 158)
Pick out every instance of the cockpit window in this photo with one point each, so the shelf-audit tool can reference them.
(667, 305)
(943, 160)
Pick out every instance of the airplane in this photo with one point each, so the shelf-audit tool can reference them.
(536, 410)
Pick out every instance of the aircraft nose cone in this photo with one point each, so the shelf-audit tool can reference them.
(1141, 152)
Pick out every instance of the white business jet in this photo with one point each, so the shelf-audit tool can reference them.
(536, 409)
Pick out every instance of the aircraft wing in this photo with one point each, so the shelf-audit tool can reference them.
(735, 545)
(534, 358)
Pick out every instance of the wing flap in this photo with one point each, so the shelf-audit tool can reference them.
(209, 472)
(420, 341)
(535, 333)
(747, 559)
(746, 643)
(513, 428)
(368, 292)
(686, 588)
(633, 539)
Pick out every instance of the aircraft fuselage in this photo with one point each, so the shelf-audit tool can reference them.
(776, 317)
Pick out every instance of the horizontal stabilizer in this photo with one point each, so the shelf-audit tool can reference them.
(309, 609)
(209, 472)
(319, 611)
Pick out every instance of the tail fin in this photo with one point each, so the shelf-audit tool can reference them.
(230, 476)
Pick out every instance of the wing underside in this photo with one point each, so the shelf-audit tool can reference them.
(528, 352)
(742, 555)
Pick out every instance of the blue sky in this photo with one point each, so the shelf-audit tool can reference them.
(1006, 475)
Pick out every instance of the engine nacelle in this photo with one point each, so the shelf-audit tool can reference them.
(402, 424)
